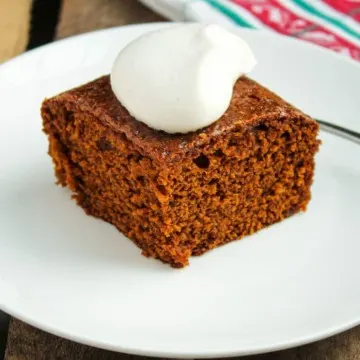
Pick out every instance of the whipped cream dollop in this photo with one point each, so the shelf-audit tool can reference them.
(180, 78)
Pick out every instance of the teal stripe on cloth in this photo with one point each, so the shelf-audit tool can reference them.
(310, 9)
(236, 18)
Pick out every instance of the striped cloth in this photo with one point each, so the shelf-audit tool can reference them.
(334, 24)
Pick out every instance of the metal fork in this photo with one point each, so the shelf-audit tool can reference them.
(339, 131)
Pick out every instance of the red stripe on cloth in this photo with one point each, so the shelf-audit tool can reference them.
(345, 7)
(284, 21)
(274, 15)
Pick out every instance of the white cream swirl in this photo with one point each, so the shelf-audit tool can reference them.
(181, 78)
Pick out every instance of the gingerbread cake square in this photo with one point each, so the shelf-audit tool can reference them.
(178, 195)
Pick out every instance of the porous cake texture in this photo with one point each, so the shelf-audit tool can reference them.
(178, 195)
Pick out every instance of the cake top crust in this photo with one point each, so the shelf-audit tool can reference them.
(250, 104)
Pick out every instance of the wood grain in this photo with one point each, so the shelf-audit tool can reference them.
(14, 27)
(79, 16)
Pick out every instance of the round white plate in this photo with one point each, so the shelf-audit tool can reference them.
(79, 278)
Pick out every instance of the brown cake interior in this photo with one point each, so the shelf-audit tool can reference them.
(219, 187)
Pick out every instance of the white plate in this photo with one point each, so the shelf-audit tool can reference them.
(78, 277)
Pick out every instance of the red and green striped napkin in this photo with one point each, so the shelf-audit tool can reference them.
(334, 24)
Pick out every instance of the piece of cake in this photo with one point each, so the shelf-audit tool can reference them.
(178, 195)
(178, 149)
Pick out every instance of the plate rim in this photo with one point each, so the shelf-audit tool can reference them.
(264, 32)
(21, 315)
(321, 335)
